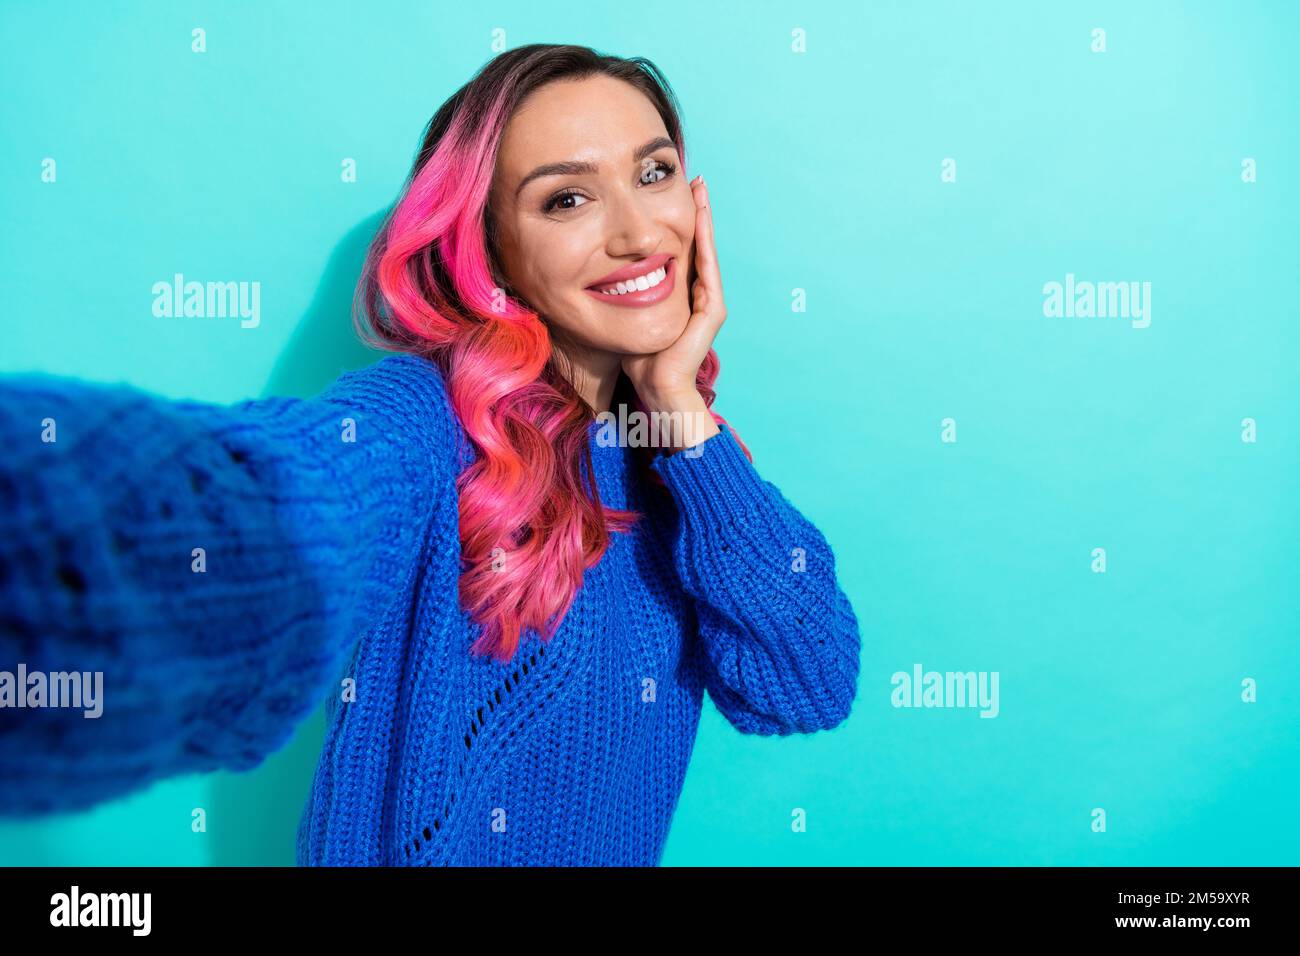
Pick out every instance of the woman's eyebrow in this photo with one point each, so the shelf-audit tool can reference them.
(576, 168)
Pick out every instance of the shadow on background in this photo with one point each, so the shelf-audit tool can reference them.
(253, 816)
(324, 344)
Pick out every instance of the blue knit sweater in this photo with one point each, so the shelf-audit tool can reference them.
(328, 571)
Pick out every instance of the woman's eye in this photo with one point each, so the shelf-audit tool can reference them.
(667, 168)
(560, 197)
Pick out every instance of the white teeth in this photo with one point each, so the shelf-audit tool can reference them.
(639, 284)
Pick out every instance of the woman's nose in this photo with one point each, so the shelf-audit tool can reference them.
(632, 223)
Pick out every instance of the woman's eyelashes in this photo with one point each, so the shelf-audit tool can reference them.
(668, 170)
(551, 205)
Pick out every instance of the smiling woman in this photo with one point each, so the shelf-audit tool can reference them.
(584, 157)
(513, 624)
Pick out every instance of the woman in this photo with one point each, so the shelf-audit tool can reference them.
(513, 620)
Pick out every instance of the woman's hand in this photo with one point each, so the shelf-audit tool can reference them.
(665, 381)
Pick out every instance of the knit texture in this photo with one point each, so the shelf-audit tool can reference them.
(329, 567)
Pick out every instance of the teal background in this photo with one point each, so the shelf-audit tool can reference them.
(924, 301)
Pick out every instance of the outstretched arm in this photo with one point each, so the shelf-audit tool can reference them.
(779, 637)
(215, 565)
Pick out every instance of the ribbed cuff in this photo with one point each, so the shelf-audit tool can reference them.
(717, 483)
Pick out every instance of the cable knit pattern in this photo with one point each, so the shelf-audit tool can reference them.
(328, 529)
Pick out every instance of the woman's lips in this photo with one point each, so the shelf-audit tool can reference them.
(641, 297)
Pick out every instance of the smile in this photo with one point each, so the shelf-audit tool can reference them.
(648, 288)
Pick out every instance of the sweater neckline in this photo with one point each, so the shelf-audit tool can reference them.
(610, 461)
(612, 453)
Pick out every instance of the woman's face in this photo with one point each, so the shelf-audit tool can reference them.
(622, 199)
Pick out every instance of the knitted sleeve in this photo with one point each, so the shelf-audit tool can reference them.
(779, 637)
(184, 580)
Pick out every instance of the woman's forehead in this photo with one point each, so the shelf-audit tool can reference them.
(597, 120)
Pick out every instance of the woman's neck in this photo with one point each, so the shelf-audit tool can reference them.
(593, 375)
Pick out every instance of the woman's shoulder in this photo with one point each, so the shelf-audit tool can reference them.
(408, 397)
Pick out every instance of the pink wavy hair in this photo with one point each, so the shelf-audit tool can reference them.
(429, 286)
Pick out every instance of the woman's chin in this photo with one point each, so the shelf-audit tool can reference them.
(655, 338)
